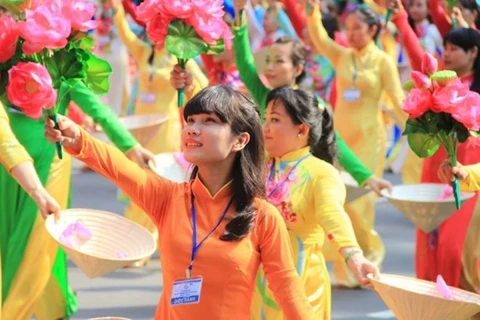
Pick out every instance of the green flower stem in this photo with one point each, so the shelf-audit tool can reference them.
(454, 23)
(450, 145)
(181, 92)
(52, 114)
(387, 17)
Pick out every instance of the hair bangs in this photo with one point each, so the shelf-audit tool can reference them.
(211, 101)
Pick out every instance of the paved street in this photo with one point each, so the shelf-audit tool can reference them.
(134, 293)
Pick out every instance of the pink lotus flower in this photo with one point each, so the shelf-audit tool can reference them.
(157, 30)
(180, 9)
(468, 112)
(148, 9)
(209, 8)
(417, 102)
(8, 37)
(211, 30)
(429, 64)
(278, 196)
(30, 88)
(46, 27)
(80, 14)
(447, 98)
(420, 80)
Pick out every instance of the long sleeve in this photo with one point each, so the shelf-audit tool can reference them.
(104, 116)
(296, 15)
(390, 82)
(130, 8)
(247, 69)
(320, 39)
(134, 45)
(199, 78)
(12, 153)
(350, 162)
(278, 266)
(285, 24)
(439, 17)
(211, 67)
(410, 41)
(148, 191)
(255, 26)
(330, 194)
(472, 183)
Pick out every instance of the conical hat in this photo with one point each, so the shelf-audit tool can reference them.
(353, 190)
(142, 127)
(423, 205)
(115, 243)
(171, 167)
(411, 299)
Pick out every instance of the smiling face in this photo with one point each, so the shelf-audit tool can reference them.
(282, 135)
(279, 69)
(206, 139)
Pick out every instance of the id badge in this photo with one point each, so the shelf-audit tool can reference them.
(186, 291)
(148, 98)
(352, 94)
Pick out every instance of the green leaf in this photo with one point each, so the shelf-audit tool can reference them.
(65, 64)
(97, 74)
(217, 48)
(462, 132)
(423, 145)
(445, 122)
(83, 41)
(12, 5)
(414, 126)
(183, 42)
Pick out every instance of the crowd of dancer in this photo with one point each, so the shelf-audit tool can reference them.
(310, 88)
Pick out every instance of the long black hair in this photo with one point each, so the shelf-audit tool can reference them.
(243, 115)
(467, 39)
(472, 6)
(304, 107)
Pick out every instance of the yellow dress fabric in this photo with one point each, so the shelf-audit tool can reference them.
(361, 125)
(30, 288)
(154, 82)
(312, 207)
(470, 279)
(32, 292)
(12, 153)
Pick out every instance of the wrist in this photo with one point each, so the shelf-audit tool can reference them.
(36, 192)
(349, 253)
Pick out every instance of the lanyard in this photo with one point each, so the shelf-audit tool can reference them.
(354, 75)
(195, 246)
(272, 172)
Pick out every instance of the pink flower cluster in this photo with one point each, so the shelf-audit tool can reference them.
(448, 96)
(205, 16)
(48, 24)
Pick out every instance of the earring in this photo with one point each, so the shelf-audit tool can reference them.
(299, 135)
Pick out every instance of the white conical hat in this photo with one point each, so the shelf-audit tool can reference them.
(115, 242)
(353, 190)
(412, 299)
(423, 205)
(142, 127)
(171, 166)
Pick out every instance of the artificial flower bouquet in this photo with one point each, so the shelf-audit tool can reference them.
(442, 112)
(45, 49)
(187, 28)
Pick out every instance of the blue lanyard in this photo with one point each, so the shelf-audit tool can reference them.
(195, 246)
(272, 173)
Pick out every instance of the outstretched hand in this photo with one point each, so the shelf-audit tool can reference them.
(69, 133)
(447, 174)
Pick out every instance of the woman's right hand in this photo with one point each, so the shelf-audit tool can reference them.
(69, 133)
(45, 202)
(447, 174)
(395, 6)
(180, 78)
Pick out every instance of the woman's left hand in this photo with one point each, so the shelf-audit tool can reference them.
(141, 156)
(378, 184)
(362, 267)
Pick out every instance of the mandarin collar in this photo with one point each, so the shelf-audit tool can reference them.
(201, 192)
(294, 155)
